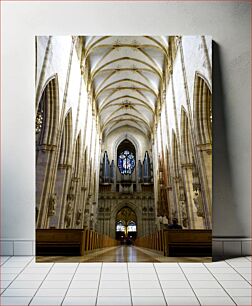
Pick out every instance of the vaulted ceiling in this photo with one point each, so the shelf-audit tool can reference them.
(126, 75)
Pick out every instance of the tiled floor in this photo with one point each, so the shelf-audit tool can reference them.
(24, 282)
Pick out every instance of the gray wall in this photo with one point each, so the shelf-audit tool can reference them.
(229, 25)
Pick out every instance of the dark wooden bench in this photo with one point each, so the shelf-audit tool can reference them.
(194, 243)
(60, 242)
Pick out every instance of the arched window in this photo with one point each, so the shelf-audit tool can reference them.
(131, 227)
(126, 157)
(126, 162)
(120, 227)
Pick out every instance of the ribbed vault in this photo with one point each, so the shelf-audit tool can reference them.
(126, 75)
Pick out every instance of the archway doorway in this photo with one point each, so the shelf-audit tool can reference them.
(126, 225)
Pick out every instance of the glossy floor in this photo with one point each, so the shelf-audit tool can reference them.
(123, 254)
(25, 282)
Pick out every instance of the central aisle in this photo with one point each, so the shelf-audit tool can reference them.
(123, 254)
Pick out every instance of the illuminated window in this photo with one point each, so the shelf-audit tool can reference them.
(126, 162)
(120, 226)
(131, 227)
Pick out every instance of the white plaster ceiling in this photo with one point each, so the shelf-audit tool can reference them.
(126, 73)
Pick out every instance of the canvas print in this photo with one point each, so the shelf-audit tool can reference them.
(123, 129)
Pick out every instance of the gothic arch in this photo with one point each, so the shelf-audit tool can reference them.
(132, 214)
(122, 204)
(203, 138)
(126, 157)
(51, 78)
(118, 207)
(48, 109)
(202, 98)
(66, 140)
(131, 139)
(47, 121)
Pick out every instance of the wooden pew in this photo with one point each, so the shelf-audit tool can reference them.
(60, 242)
(65, 242)
(184, 242)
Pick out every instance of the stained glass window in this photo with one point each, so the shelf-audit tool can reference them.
(126, 162)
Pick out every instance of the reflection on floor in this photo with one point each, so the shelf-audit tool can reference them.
(122, 254)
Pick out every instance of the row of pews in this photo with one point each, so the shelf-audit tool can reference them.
(74, 242)
(179, 242)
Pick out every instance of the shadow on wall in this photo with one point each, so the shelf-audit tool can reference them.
(226, 221)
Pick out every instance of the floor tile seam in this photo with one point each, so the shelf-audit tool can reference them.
(198, 296)
(41, 283)
(237, 272)
(98, 287)
(69, 284)
(24, 264)
(6, 261)
(240, 295)
(221, 285)
(228, 260)
(240, 264)
(131, 300)
(189, 283)
(63, 268)
(203, 295)
(236, 281)
(16, 276)
(160, 284)
(216, 270)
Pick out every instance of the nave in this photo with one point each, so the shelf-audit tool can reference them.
(123, 141)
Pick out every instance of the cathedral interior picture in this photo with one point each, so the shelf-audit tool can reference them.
(123, 148)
